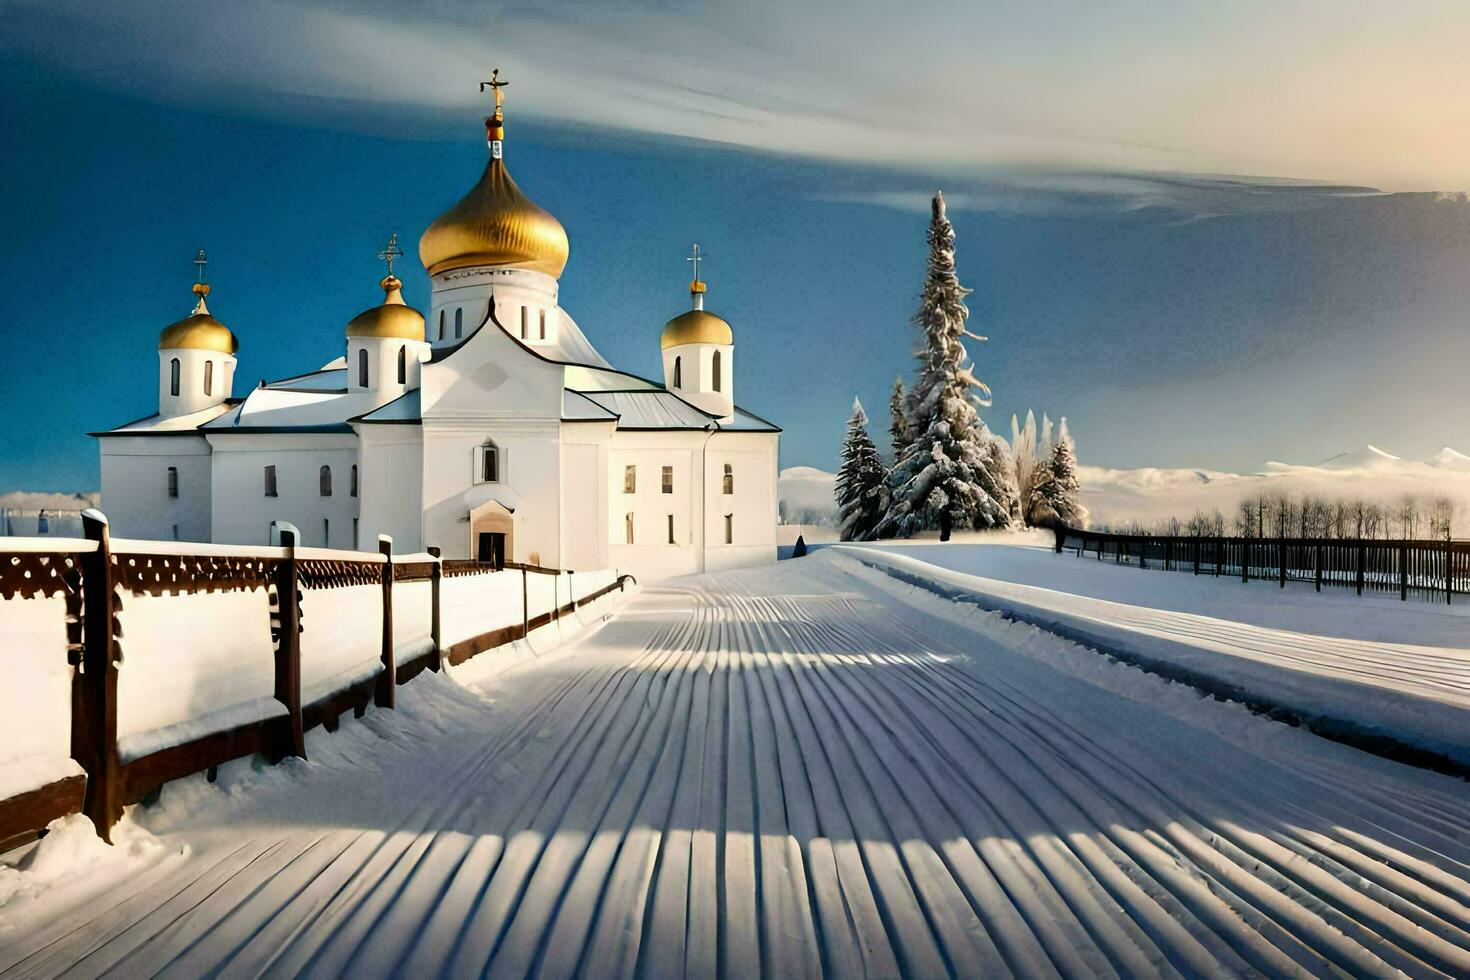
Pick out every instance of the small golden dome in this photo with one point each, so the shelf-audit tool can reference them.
(393, 318)
(696, 327)
(199, 330)
(495, 224)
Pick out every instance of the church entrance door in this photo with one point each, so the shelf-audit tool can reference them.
(491, 548)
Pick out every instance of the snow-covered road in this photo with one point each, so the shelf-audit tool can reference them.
(792, 770)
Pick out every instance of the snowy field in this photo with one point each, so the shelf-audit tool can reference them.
(1372, 663)
(813, 768)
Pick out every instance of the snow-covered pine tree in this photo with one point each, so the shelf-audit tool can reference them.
(860, 491)
(898, 427)
(955, 472)
(1057, 497)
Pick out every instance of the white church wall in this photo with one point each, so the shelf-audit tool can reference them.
(242, 512)
(584, 487)
(528, 484)
(753, 459)
(696, 376)
(191, 396)
(390, 486)
(467, 292)
(196, 664)
(135, 484)
(382, 367)
(650, 556)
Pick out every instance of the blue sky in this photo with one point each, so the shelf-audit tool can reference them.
(1177, 318)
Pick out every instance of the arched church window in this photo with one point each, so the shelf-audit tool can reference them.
(458, 322)
(325, 477)
(543, 324)
(362, 367)
(628, 527)
(729, 478)
(208, 378)
(173, 376)
(729, 528)
(173, 481)
(403, 365)
(716, 371)
(678, 372)
(489, 462)
(353, 488)
(525, 321)
(441, 324)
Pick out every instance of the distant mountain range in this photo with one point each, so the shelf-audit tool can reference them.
(1148, 494)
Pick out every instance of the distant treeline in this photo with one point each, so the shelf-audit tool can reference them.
(1285, 515)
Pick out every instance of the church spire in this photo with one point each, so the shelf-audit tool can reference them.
(201, 288)
(495, 125)
(696, 286)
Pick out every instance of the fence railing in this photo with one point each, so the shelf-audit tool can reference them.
(1424, 568)
(339, 605)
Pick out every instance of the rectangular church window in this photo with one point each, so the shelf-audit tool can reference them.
(729, 528)
(668, 479)
(270, 481)
(173, 481)
(671, 529)
(630, 479)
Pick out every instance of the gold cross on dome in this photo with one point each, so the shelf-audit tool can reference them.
(696, 258)
(200, 261)
(495, 85)
(390, 252)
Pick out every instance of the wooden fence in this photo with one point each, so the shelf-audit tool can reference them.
(93, 579)
(1426, 569)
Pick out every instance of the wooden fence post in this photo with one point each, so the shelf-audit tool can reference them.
(1281, 561)
(1245, 559)
(288, 650)
(384, 694)
(1317, 567)
(435, 624)
(1449, 571)
(1404, 571)
(1198, 545)
(1362, 564)
(94, 687)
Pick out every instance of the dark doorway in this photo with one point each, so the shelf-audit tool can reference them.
(491, 548)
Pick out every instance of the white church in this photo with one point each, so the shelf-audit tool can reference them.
(493, 429)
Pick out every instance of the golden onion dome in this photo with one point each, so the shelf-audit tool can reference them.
(394, 318)
(697, 327)
(199, 330)
(495, 224)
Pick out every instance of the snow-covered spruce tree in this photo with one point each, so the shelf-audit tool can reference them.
(956, 473)
(1057, 496)
(860, 491)
(899, 433)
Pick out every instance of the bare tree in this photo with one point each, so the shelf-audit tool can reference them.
(1442, 513)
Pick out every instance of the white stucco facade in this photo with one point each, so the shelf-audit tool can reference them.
(499, 431)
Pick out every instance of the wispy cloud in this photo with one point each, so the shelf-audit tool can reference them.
(1082, 193)
(1347, 90)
